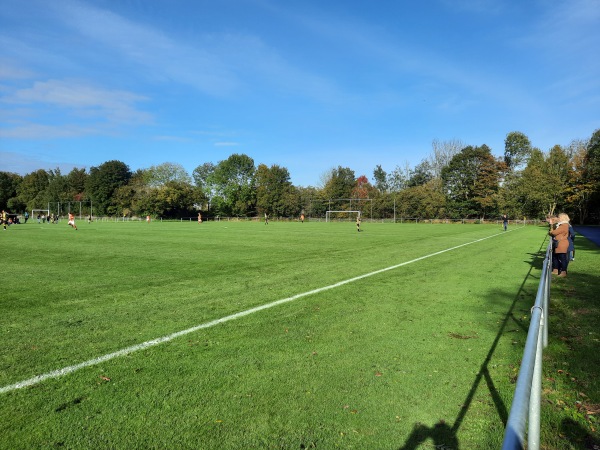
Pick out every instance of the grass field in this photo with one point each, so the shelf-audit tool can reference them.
(423, 355)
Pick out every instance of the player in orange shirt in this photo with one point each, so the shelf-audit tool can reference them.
(72, 221)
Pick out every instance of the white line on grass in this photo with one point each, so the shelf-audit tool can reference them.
(134, 348)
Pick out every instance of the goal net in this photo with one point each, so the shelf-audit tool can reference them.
(340, 216)
(40, 212)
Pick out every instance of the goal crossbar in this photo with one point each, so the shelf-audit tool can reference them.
(329, 212)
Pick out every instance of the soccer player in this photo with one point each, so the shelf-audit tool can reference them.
(72, 221)
(199, 217)
(358, 223)
(4, 219)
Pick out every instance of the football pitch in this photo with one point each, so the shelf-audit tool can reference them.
(236, 335)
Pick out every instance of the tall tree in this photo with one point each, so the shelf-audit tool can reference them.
(57, 190)
(557, 173)
(9, 182)
(76, 183)
(275, 194)
(380, 178)
(398, 178)
(592, 175)
(163, 173)
(579, 189)
(233, 181)
(362, 188)
(103, 182)
(421, 174)
(517, 149)
(470, 178)
(174, 199)
(32, 190)
(203, 178)
(340, 184)
(442, 153)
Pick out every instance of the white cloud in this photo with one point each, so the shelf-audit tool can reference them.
(23, 164)
(166, 58)
(9, 71)
(40, 131)
(216, 64)
(113, 105)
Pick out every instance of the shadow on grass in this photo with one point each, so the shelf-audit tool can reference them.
(574, 323)
(577, 435)
(443, 435)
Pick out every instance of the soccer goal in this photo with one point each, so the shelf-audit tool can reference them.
(341, 215)
(35, 212)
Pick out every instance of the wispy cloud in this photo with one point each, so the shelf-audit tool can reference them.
(41, 131)
(22, 165)
(198, 67)
(215, 64)
(113, 105)
(65, 108)
(11, 71)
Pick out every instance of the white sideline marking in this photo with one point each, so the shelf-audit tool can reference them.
(134, 348)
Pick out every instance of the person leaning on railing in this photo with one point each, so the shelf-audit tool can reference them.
(561, 235)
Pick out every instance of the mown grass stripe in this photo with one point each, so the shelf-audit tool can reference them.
(134, 348)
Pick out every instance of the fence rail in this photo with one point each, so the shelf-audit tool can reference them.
(526, 403)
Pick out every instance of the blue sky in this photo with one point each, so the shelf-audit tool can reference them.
(305, 84)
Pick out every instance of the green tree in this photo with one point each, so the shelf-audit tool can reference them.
(9, 183)
(470, 180)
(592, 175)
(380, 178)
(532, 189)
(398, 178)
(173, 200)
(103, 183)
(426, 200)
(340, 184)
(579, 189)
(163, 173)
(32, 190)
(557, 173)
(57, 190)
(275, 194)
(517, 149)
(233, 184)
(203, 178)
(421, 174)
(76, 184)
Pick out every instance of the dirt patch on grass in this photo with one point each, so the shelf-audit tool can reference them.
(462, 336)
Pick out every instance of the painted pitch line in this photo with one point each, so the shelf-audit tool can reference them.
(134, 348)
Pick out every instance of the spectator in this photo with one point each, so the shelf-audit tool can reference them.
(561, 234)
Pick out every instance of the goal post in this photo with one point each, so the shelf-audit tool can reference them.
(333, 214)
(34, 212)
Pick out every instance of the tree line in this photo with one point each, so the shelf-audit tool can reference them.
(454, 181)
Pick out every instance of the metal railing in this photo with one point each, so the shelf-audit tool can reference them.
(526, 405)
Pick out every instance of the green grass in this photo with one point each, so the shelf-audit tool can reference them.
(422, 355)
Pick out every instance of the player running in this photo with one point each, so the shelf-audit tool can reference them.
(72, 221)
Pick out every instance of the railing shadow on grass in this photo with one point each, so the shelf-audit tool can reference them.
(444, 436)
